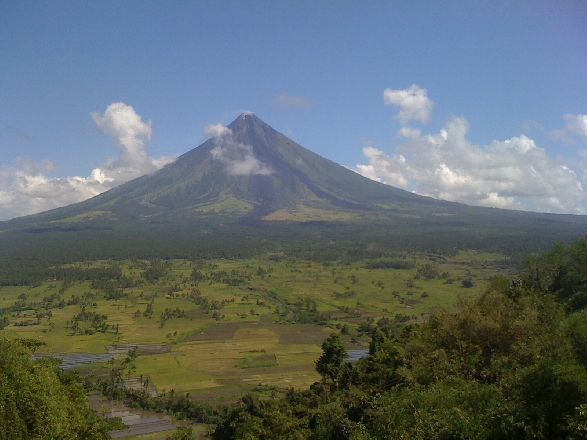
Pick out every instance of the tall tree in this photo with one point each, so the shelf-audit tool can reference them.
(333, 355)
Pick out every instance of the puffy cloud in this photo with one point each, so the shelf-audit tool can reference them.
(286, 100)
(24, 193)
(413, 102)
(238, 158)
(394, 167)
(514, 173)
(27, 189)
(125, 125)
(130, 132)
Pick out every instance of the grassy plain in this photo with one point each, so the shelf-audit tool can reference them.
(237, 325)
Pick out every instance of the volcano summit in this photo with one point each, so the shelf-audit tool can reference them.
(248, 171)
(248, 175)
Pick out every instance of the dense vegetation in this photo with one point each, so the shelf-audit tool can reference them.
(511, 364)
(39, 401)
(26, 256)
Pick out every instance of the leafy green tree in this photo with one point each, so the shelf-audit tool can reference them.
(149, 310)
(333, 355)
(39, 401)
(197, 276)
(155, 271)
(182, 433)
(562, 272)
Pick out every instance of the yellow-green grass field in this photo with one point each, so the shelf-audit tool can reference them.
(244, 323)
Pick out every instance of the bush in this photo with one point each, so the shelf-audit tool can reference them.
(467, 284)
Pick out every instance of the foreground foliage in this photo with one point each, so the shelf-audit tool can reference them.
(511, 364)
(39, 401)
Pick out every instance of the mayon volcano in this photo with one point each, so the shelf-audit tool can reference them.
(248, 172)
(252, 185)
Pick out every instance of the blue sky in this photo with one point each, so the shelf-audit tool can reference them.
(472, 101)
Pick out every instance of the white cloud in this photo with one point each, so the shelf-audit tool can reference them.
(413, 102)
(577, 124)
(130, 132)
(394, 167)
(409, 132)
(563, 135)
(27, 189)
(126, 126)
(34, 168)
(238, 158)
(217, 130)
(287, 100)
(24, 193)
(514, 173)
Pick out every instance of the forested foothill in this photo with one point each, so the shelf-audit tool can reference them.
(27, 253)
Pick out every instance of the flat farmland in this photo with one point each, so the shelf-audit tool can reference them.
(219, 328)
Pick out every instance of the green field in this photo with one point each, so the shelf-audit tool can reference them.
(229, 326)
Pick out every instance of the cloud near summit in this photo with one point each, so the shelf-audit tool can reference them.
(413, 102)
(238, 158)
(514, 173)
(27, 188)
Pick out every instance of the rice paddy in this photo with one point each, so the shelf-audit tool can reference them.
(219, 328)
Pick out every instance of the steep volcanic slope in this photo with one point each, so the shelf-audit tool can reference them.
(249, 188)
(249, 171)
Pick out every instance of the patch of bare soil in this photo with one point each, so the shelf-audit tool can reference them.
(298, 333)
(219, 332)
